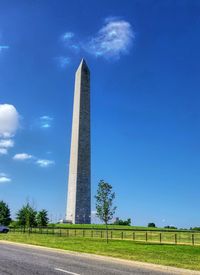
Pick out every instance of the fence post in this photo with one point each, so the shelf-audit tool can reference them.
(60, 232)
(101, 234)
(133, 236)
(75, 232)
(146, 236)
(92, 233)
(175, 236)
(160, 237)
(122, 235)
(111, 234)
(83, 233)
(192, 239)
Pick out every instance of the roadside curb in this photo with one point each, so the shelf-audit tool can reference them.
(149, 266)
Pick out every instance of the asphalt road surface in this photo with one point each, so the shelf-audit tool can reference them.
(19, 260)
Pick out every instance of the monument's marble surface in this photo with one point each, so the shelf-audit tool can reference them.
(79, 182)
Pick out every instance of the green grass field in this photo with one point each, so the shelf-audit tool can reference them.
(139, 234)
(102, 226)
(182, 256)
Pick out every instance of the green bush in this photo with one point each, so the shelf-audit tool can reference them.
(151, 224)
(122, 222)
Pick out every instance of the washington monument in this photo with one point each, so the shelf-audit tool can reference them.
(79, 182)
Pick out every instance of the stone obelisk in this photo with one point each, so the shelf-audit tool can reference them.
(79, 182)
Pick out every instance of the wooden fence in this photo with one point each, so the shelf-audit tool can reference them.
(151, 236)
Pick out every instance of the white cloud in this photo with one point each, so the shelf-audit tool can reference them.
(112, 40)
(70, 42)
(40, 162)
(3, 175)
(46, 117)
(46, 125)
(45, 121)
(3, 151)
(4, 47)
(75, 47)
(67, 36)
(4, 178)
(22, 156)
(45, 162)
(6, 143)
(9, 123)
(9, 120)
(63, 61)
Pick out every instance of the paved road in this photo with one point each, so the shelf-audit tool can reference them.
(19, 260)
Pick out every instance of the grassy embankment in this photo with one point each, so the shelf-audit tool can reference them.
(155, 235)
(102, 226)
(135, 233)
(172, 255)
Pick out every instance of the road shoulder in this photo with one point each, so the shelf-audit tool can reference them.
(148, 266)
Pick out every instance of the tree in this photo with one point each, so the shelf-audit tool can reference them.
(26, 216)
(151, 224)
(42, 218)
(170, 227)
(104, 203)
(122, 222)
(4, 214)
(195, 228)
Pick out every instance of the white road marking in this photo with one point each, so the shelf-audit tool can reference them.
(65, 271)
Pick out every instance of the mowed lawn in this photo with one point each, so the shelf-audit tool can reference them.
(154, 236)
(183, 256)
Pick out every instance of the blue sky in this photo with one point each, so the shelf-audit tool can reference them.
(144, 59)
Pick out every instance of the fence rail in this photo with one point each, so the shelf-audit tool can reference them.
(150, 236)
